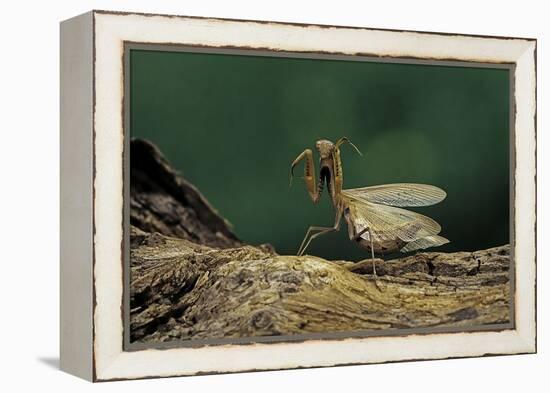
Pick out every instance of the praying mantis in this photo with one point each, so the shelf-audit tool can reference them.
(373, 215)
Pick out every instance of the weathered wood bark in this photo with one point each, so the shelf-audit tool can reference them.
(162, 201)
(192, 279)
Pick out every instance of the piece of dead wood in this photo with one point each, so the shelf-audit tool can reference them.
(163, 201)
(181, 290)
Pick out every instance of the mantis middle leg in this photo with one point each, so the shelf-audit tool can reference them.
(322, 231)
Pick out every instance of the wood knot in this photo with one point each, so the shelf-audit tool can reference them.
(467, 313)
(261, 319)
(155, 239)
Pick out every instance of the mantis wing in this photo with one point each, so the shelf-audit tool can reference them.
(399, 194)
(388, 222)
(425, 242)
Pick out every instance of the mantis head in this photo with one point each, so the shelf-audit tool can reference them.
(326, 147)
(326, 150)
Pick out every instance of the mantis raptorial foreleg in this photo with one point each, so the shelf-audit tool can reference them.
(322, 231)
(309, 174)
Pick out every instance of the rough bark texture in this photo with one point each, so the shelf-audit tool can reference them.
(191, 278)
(162, 201)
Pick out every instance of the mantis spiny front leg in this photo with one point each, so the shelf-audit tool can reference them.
(309, 174)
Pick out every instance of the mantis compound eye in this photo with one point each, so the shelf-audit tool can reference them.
(324, 147)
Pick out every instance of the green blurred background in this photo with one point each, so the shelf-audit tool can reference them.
(232, 124)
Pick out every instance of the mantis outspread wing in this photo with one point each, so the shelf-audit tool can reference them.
(388, 222)
(399, 194)
(425, 242)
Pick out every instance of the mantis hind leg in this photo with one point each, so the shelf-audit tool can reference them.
(372, 252)
(356, 237)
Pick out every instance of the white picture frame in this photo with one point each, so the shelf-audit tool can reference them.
(92, 193)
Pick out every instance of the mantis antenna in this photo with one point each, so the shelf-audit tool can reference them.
(346, 140)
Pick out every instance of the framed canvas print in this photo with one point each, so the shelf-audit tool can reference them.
(207, 225)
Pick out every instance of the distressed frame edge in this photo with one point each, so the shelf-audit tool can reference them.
(76, 196)
(526, 339)
(525, 132)
(305, 24)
